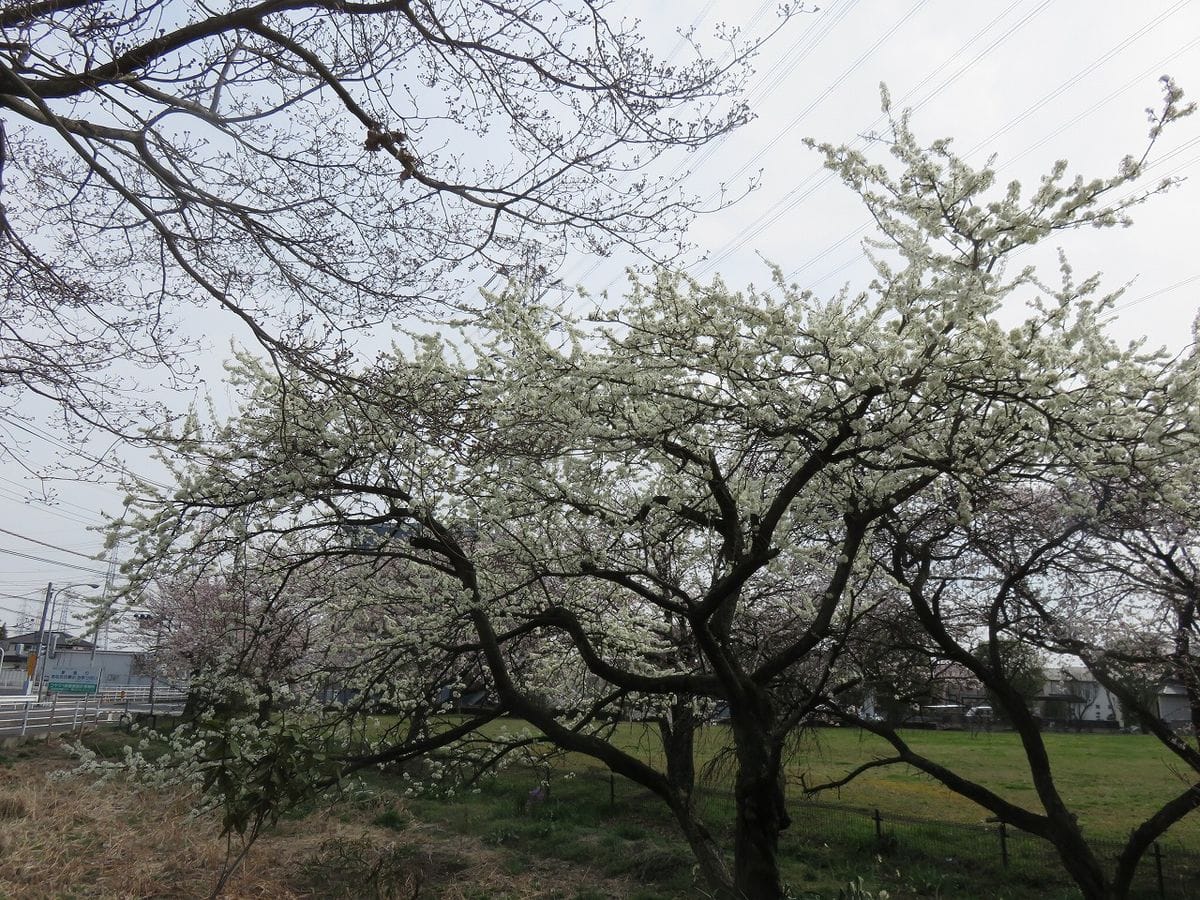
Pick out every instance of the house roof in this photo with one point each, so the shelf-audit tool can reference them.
(63, 640)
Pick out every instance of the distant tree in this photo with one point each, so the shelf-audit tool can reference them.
(900, 667)
(199, 625)
(1138, 701)
(1035, 571)
(1021, 665)
(1149, 549)
(315, 167)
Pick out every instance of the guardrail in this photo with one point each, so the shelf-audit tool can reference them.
(21, 714)
(143, 695)
(68, 714)
(168, 691)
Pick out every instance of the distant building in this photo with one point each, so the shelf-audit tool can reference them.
(113, 669)
(1072, 696)
(72, 660)
(1174, 706)
(19, 646)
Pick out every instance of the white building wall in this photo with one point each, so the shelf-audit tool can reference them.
(113, 668)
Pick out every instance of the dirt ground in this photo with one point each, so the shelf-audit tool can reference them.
(65, 836)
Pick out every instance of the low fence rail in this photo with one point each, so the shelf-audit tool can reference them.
(825, 833)
(1007, 854)
(21, 715)
(165, 695)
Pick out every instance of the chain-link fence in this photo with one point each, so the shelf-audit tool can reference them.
(993, 851)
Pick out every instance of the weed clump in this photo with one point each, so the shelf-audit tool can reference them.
(13, 808)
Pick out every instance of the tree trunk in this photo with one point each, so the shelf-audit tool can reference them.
(1087, 875)
(761, 812)
(708, 854)
(678, 733)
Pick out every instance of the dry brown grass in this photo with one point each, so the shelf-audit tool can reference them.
(70, 838)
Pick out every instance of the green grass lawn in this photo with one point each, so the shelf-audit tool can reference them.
(1113, 781)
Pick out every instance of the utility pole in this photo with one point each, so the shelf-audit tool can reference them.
(30, 672)
(38, 670)
(109, 581)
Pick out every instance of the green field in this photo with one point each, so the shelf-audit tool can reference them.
(1112, 781)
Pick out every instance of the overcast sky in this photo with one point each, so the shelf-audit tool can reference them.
(1030, 81)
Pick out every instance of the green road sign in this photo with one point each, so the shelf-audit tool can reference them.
(72, 687)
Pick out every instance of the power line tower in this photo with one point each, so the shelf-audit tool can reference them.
(109, 580)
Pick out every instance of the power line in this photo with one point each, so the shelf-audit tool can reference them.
(1125, 199)
(25, 537)
(1158, 293)
(1081, 74)
(119, 468)
(23, 613)
(31, 596)
(829, 89)
(65, 517)
(986, 51)
(684, 36)
(772, 78)
(50, 511)
(52, 562)
(798, 195)
(858, 257)
(84, 510)
(12, 577)
(818, 29)
(823, 23)
(1130, 83)
(1140, 78)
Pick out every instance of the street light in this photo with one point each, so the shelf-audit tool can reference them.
(43, 644)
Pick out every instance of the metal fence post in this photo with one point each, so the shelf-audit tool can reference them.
(50, 724)
(75, 715)
(1038, 858)
(25, 719)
